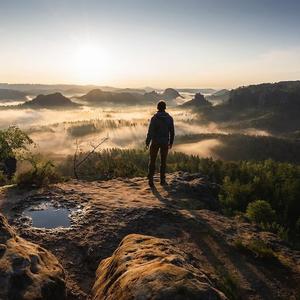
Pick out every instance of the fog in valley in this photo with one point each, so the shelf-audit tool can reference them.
(208, 123)
(57, 132)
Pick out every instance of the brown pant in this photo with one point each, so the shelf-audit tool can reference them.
(164, 148)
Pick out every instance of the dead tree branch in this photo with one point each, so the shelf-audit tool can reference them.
(77, 164)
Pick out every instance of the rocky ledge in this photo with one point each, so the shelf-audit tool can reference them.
(181, 221)
(145, 267)
(27, 271)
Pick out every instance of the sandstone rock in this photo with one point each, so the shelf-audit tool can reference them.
(170, 94)
(145, 267)
(197, 186)
(198, 101)
(27, 271)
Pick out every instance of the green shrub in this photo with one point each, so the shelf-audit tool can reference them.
(260, 249)
(276, 228)
(12, 140)
(228, 284)
(256, 247)
(240, 183)
(239, 244)
(237, 194)
(3, 179)
(82, 130)
(41, 173)
(260, 211)
(112, 163)
(13, 144)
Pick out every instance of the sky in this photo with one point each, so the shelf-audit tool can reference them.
(138, 43)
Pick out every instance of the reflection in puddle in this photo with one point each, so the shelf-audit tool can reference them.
(49, 217)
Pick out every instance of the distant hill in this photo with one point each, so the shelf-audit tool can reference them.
(36, 89)
(274, 107)
(67, 89)
(56, 100)
(170, 94)
(152, 97)
(285, 94)
(75, 89)
(220, 96)
(100, 97)
(8, 94)
(198, 101)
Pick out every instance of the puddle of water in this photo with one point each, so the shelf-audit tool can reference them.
(49, 217)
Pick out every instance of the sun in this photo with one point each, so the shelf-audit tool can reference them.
(91, 63)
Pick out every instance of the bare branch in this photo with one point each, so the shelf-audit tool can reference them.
(95, 147)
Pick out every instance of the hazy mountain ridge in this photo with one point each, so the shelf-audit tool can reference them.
(198, 101)
(269, 106)
(196, 90)
(285, 94)
(100, 97)
(170, 94)
(35, 89)
(8, 94)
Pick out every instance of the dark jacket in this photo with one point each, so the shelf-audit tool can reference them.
(161, 129)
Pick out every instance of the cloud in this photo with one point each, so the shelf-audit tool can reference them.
(126, 128)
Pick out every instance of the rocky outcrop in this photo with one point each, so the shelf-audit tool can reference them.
(170, 94)
(197, 186)
(55, 100)
(152, 97)
(145, 267)
(27, 271)
(197, 101)
(220, 96)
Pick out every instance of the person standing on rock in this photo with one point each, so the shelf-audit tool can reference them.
(161, 135)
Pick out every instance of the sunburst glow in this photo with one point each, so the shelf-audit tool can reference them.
(91, 63)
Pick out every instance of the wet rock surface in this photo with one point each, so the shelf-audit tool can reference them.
(27, 271)
(144, 267)
(107, 211)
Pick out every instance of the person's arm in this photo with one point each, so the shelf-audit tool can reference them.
(150, 132)
(172, 133)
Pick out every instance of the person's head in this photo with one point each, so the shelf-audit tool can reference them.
(161, 105)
